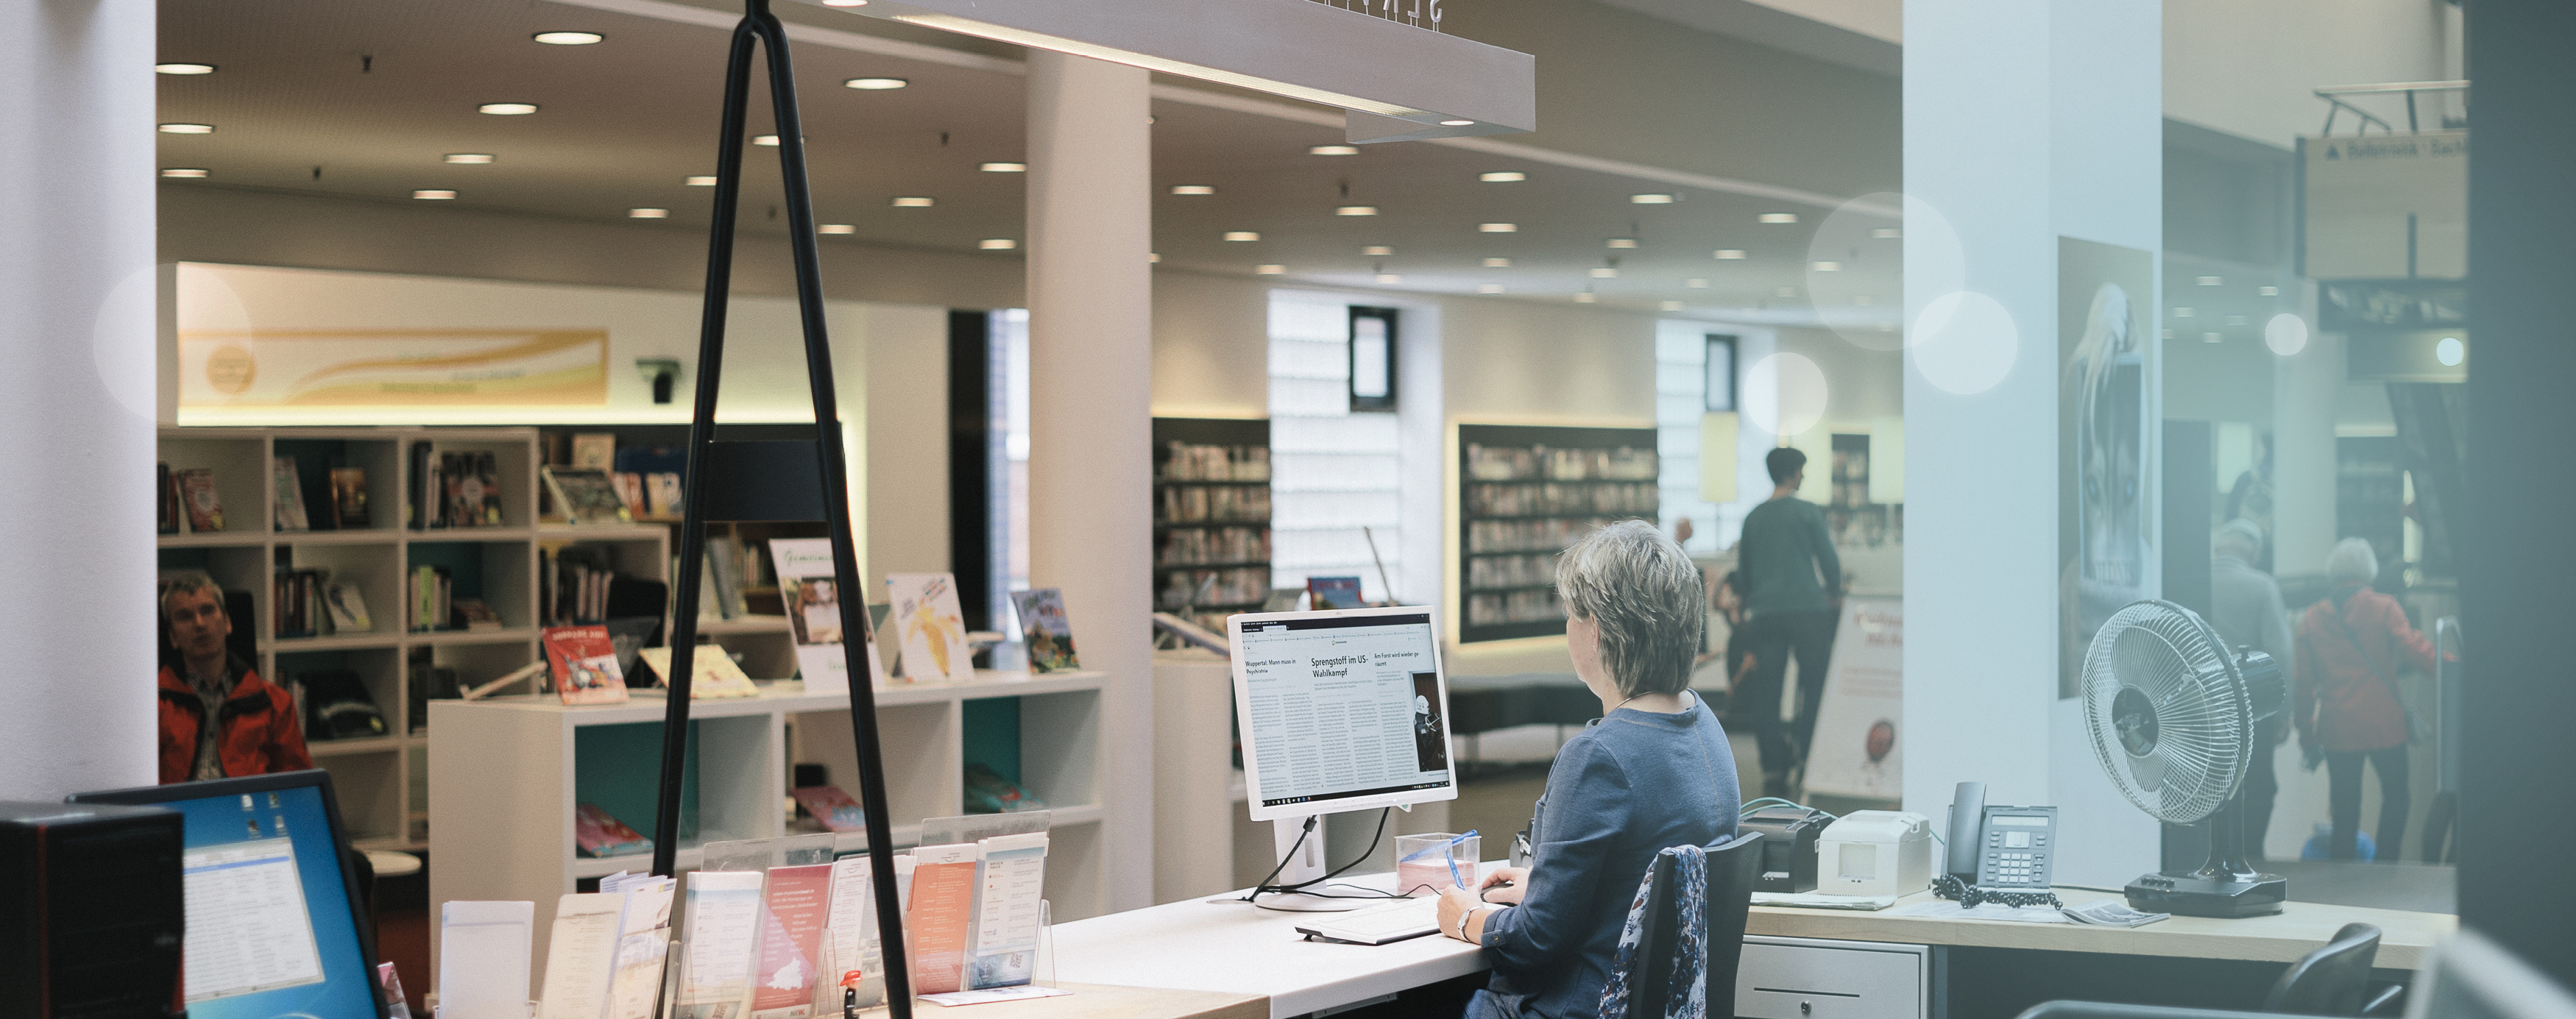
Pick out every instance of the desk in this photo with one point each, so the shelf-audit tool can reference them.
(1095, 1001)
(2300, 928)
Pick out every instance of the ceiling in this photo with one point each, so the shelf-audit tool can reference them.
(364, 100)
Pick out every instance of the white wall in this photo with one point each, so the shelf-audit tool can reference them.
(2251, 68)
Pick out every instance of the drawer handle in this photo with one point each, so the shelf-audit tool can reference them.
(1820, 994)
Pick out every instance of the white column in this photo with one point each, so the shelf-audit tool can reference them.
(2025, 121)
(2307, 389)
(1090, 414)
(77, 397)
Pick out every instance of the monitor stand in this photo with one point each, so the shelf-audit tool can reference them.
(1306, 865)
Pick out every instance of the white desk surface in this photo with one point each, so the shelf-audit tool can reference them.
(2300, 928)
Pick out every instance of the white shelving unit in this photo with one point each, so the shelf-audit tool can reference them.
(506, 773)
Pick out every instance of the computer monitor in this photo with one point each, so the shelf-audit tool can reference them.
(273, 908)
(1340, 710)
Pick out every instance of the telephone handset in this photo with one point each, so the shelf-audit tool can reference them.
(2000, 848)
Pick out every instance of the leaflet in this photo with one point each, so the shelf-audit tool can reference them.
(1008, 910)
(581, 955)
(853, 929)
(724, 930)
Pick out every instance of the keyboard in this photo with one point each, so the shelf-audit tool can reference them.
(1410, 919)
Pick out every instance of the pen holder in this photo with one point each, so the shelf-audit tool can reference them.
(1429, 864)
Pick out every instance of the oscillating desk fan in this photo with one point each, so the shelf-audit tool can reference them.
(2172, 715)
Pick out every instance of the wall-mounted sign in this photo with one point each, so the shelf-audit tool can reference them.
(2385, 206)
(1382, 61)
(392, 367)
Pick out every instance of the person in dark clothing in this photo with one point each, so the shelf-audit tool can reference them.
(2344, 698)
(1654, 772)
(2245, 607)
(1792, 598)
(218, 718)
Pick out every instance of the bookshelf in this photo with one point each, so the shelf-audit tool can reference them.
(1211, 517)
(382, 781)
(1525, 493)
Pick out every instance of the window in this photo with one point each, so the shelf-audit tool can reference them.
(1335, 480)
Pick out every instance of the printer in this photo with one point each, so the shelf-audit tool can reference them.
(1875, 852)
(1789, 842)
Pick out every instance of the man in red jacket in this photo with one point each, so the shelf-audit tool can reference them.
(2345, 700)
(219, 719)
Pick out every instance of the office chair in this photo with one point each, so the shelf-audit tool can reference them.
(1732, 868)
(2334, 980)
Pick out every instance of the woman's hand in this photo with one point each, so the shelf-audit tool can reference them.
(1455, 903)
(1491, 891)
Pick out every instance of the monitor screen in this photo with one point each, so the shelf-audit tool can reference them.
(272, 929)
(1341, 710)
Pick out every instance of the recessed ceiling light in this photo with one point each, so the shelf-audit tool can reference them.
(1153, 256)
(1489, 288)
(1241, 235)
(187, 129)
(1333, 150)
(770, 140)
(1779, 217)
(1826, 266)
(997, 244)
(1603, 272)
(2268, 291)
(183, 68)
(1377, 249)
(1193, 189)
(1671, 305)
(2213, 337)
(845, 3)
(1502, 176)
(1696, 283)
(567, 38)
(2182, 313)
(648, 213)
(2236, 320)
(1389, 278)
(1498, 228)
(507, 109)
(469, 158)
(1270, 270)
(876, 84)
(1730, 254)
(1784, 291)
(1456, 123)
(1887, 233)
(1585, 297)
(1003, 167)
(700, 182)
(435, 195)
(1623, 242)
(2210, 281)
(836, 228)
(913, 202)
(1498, 263)
(1650, 199)
(183, 172)
(1356, 210)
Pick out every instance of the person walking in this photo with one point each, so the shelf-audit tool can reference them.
(2345, 700)
(2245, 606)
(1792, 598)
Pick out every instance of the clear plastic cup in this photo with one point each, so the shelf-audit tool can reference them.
(1429, 864)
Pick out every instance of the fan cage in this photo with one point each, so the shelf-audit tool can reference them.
(2203, 741)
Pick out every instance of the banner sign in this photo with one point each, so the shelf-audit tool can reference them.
(1859, 748)
(393, 367)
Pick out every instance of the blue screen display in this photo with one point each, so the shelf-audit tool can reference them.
(270, 930)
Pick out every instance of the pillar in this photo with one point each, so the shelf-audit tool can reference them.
(1090, 415)
(77, 396)
(2025, 121)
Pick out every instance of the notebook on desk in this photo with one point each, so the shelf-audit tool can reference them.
(1412, 918)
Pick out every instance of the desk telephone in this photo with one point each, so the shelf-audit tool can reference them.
(1998, 849)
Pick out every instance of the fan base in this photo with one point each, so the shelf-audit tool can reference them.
(2226, 898)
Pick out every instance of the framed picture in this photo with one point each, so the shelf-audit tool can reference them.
(1372, 381)
(1721, 374)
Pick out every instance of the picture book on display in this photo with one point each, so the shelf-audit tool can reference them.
(1334, 593)
(813, 599)
(715, 677)
(584, 663)
(586, 496)
(598, 834)
(594, 451)
(205, 506)
(290, 495)
(349, 497)
(930, 627)
(831, 807)
(1048, 633)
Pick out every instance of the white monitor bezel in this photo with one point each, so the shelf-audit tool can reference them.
(1243, 710)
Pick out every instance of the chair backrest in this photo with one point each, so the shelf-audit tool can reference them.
(1733, 865)
(2334, 980)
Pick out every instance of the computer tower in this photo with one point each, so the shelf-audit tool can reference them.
(92, 911)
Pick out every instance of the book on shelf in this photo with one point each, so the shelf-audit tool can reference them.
(205, 506)
(931, 627)
(347, 606)
(663, 494)
(724, 567)
(583, 662)
(290, 495)
(1049, 635)
(1334, 593)
(298, 605)
(432, 599)
(597, 834)
(349, 497)
(474, 614)
(812, 595)
(630, 489)
(585, 496)
(336, 705)
(715, 676)
(594, 451)
(833, 809)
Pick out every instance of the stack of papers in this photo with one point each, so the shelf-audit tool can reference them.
(1818, 900)
(2111, 913)
(1937, 909)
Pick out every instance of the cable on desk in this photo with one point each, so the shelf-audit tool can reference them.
(1312, 822)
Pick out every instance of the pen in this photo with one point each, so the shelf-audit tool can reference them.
(1450, 850)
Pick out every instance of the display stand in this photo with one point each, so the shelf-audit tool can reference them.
(769, 480)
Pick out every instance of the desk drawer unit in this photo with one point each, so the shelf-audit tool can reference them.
(1808, 978)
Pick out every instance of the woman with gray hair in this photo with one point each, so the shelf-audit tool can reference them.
(2344, 696)
(1653, 772)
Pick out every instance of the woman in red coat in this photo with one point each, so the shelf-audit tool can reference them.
(2344, 695)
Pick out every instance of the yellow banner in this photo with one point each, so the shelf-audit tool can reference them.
(393, 367)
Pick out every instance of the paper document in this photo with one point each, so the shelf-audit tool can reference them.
(247, 927)
(941, 918)
(483, 959)
(1814, 900)
(581, 954)
(853, 927)
(637, 983)
(2111, 913)
(1013, 883)
(724, 929)
(799, 900)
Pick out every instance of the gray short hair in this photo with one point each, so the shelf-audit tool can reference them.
(191, 582)
(1647, 596)
(2352, 562)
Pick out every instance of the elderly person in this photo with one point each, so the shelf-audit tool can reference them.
(2245, 606)
(218, 718)
(1654, 772)
(2344, 697)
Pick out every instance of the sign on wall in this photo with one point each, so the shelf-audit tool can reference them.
(2385, 206)
(319, 368)
(2107, 369)
(1860, 719)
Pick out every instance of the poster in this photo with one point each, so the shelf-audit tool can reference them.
(2107, 370)
(813, 596)
(1861, 717)
(311, 368)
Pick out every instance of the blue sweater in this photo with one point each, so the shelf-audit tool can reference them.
(1628, 786)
